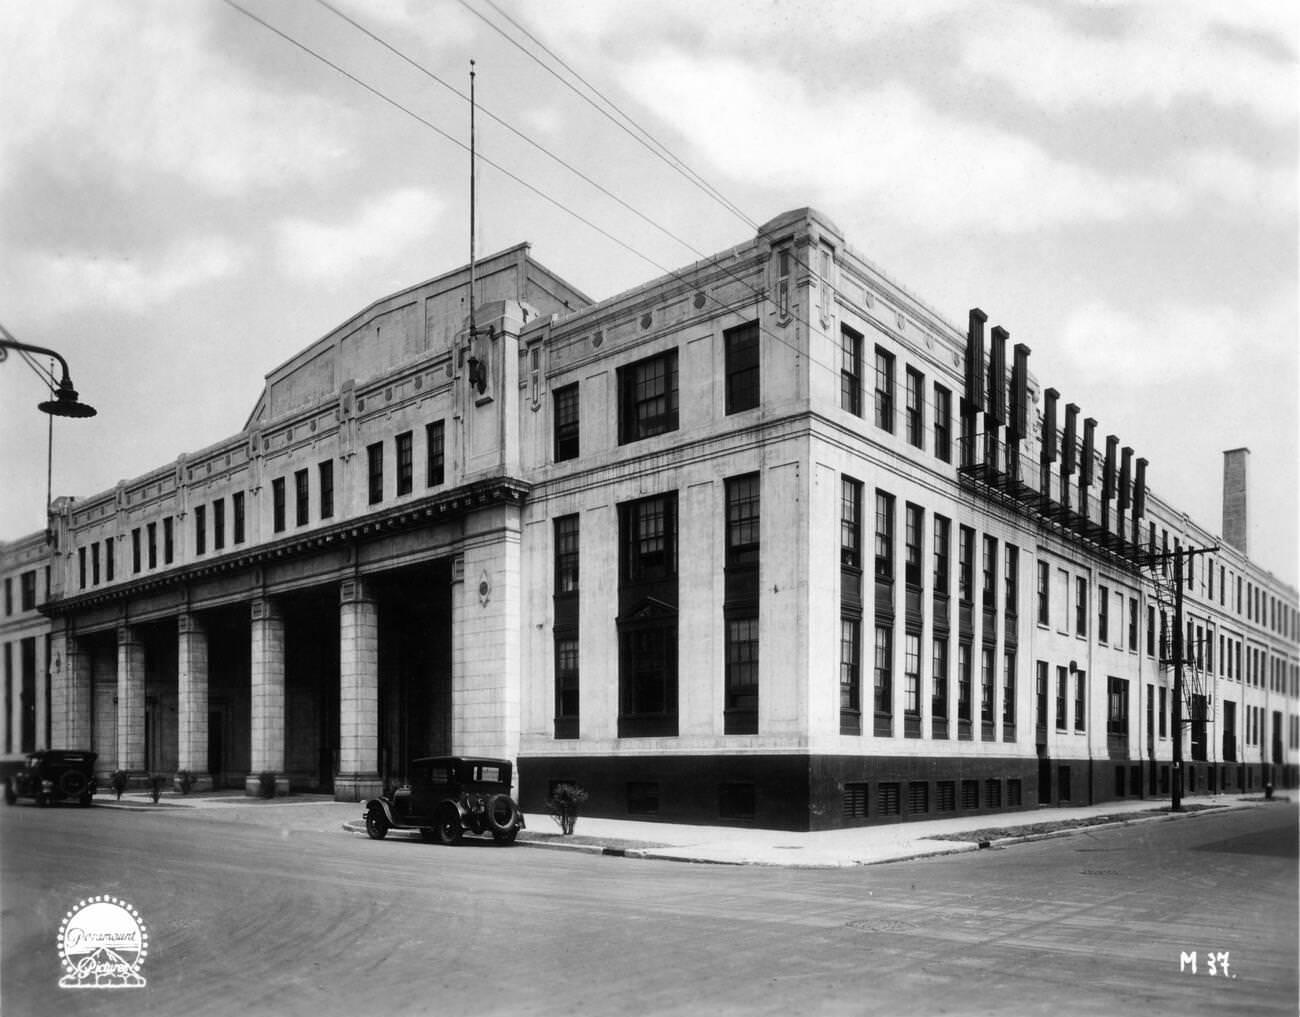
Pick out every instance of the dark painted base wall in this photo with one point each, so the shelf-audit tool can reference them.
(792, 792)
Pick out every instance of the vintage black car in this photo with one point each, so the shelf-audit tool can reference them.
(54, 775)
(448, 796)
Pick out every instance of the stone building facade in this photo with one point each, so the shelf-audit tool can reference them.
(762, 541)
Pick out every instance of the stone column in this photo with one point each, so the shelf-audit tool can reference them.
(192, 700)
(70, 693)
(130, 701)
(266, 725)
(358, 777)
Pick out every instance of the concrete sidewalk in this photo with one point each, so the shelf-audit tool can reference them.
(720, 845)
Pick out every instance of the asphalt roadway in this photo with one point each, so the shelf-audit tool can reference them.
(250, 919)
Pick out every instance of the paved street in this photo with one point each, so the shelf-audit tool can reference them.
(251, 919)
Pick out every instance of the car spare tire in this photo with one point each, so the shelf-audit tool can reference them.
(73, 783)
(502, 814)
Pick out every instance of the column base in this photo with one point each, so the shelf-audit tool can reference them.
(254, 789)
(357, 787)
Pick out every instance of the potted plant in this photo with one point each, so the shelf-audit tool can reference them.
(564, 802)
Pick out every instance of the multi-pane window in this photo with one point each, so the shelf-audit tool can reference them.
(741, 354)
(566, 686)
(850, 672)
(964, 665)
(1044, 593)
(740, 606)
(219, 524)
(939, 679)
(850, 371)
(1080, 606)
(566, 422)
(277, 504)
(648, 397)
(1080, 700)
(742, 520)
(912, 674)
(851, 522)
(200, 533)
(989, 573)
(966, 565)
(566, 554)
(915, 407)
(1040, 693)
(325, 484)
(1103, 614)
(914, 521)
(405, 463)
(987, 680)
(301, 498)
(942, 423)
(1117, 711)
(648, 617)
(434, 453)
(650, 539)
(1009, 688)
(1164, 712)
(1133, 624)
(237, 517)
(884, 535)
(1011, 579)
(942, 527)
(884, 670)
(1062, 698)
(884, 390)
(375, 472)
(742, 667)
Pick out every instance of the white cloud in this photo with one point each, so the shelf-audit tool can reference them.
(384, 230)
(1165, 52)
(115, 280)
(133, 88)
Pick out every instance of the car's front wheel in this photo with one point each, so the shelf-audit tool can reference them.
(376, 824)
(448, 828)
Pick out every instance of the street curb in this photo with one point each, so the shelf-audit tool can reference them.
(1070, 831)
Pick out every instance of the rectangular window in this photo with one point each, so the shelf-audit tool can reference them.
(301, 498)
(914, 523)
(375, 472)
(989, 573)
(219, 524)
(277, 504)
(742, 674)
(1164, 707)
(434, 435)
(81, 568)
(566, 687)
(237, 514)
(884, 535)
(884, 671)
(151, 537)
(565, 405)
(740, 606)
(915, 408)
(110, 553)
(1080, 701)
(1044, 593)
(404, 445)
(1040, 694)
(135, 549)
(648, 681)
(850, 676)
(851, 522)
(912, 674)
(1133, 624)
(325, 483)
(94, 563)
(1011, 580)
(1062, 698)
(1103, 614)
(742, 520)
(1008, 690)
(964, 665)
(987, 680)
(966, 565)
(884, 390)
(741, 353)
(200, 533)
(850, 371)
(942, 528)
(566, 554)
(1117, 713)
(942, 423)
(647, 397)
(169, 540)
(1080, 606)
(939, 692)
(649, 529)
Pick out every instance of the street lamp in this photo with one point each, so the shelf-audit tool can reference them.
(65, 402)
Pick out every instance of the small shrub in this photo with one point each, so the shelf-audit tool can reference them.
(564, 803)
(266, 784)
(184, 782)
(118, 783)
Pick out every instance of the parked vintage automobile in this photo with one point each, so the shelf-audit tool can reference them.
(448, 796)
(54, 775)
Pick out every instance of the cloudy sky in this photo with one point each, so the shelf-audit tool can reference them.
(187, 198)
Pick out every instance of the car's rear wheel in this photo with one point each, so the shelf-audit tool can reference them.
(502, 815)
(376, 824)
(73, 783)
(448, 829)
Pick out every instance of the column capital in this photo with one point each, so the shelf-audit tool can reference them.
(263, 608)
(126, 635)
(188, 622)
(355, 590)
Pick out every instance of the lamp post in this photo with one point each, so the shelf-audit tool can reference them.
(64, 404)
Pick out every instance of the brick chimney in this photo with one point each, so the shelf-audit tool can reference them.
(1235, 519)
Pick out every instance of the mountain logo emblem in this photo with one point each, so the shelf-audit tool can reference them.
(102, 944)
